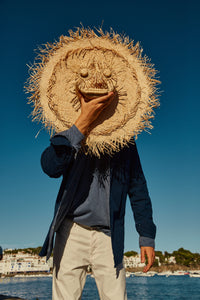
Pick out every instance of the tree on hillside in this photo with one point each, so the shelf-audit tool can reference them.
(167, 254)
(161, 256)
(186, 258)
(130, 253)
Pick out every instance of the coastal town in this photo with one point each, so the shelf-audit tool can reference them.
(24, 263)
(27, 262)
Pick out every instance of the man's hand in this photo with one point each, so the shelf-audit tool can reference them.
(90, 110)
(149, 251)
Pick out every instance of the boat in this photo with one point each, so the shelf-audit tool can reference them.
(194, 274)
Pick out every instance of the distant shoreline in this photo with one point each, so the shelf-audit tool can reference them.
(22, 275)
(129, 271)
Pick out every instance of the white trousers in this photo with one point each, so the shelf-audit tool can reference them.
(76, 247)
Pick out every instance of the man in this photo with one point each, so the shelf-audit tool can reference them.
(90, 209)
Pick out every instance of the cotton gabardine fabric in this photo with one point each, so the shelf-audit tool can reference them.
(93, 64)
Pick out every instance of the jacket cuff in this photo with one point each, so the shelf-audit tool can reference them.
(146, 242)
(73, 135)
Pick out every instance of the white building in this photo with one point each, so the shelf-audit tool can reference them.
(135, 261)
(171, 260)
(132, 261)
(24, 262)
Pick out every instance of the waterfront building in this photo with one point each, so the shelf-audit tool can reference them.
(134, 261)
(24, 263)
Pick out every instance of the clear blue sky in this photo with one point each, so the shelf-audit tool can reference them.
(169, 33)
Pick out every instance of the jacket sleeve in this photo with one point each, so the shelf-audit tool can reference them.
(61, 152)
(141, 202)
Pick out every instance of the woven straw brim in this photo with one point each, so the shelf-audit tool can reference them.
(53, 87)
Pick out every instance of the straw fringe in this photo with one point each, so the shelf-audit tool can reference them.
(122, 48)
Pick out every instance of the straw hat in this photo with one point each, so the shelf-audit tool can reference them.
(94, 63)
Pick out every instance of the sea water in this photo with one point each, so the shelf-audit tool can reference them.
(141, 288)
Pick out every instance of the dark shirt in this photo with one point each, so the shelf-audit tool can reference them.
(93, 209)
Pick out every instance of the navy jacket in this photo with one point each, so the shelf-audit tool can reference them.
(126, 178)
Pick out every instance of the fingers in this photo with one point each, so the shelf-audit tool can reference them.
(148, 266)
(149, 251)
(99, 99)
(142, 255)
(104, 99)
(90, 110)
(80, 96)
